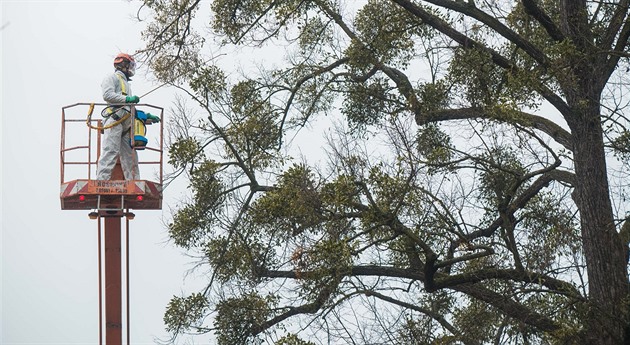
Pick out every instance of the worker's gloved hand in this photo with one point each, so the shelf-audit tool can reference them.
(132, 99)
(153, 118)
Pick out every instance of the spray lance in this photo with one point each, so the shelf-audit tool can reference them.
(140, 121)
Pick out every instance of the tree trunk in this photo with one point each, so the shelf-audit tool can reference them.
(603, 249)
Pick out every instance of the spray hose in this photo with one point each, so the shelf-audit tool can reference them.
(125, 117)
(89, 120)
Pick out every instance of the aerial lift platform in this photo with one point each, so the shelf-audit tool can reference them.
(109, 201)
(86, 193)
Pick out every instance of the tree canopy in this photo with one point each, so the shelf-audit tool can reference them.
(471, 188)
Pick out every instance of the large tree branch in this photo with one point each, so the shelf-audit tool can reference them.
(304, 79)
(469, 10)
(556, 285)
(547, 126)
(241, 160)
(509, 307)
(254, 22)
(620, 46)
(308, 308)
(519, 202)
(391, 220)
(501, 302)
(154, 46)
(532, 8)
(434, 315)
(443, 27)
(468, 43)
(616, 22)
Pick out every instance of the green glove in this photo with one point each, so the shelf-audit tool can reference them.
(153, 118)
(132, 99)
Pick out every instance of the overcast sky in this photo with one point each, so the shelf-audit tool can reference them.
(56, 53)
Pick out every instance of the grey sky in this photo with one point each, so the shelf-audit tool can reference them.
(55, 53)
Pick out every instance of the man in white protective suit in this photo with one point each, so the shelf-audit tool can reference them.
(116, 141)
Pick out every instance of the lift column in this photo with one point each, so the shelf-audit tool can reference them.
(113, 280)
(112, 220)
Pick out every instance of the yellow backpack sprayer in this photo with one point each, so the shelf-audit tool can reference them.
(140, 130)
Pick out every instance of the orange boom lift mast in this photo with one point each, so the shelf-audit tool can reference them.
(108, 202)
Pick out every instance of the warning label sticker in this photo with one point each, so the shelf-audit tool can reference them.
(109, 187)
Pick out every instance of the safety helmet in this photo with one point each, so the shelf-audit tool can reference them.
(125, 63)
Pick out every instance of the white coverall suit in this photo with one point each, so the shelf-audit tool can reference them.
(116, 139)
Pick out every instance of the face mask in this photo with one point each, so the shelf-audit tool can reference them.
(131, 70)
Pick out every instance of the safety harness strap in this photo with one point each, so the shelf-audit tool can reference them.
(122, 84)
(123, 90)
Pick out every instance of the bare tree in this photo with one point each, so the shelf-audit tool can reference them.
(476, 193)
